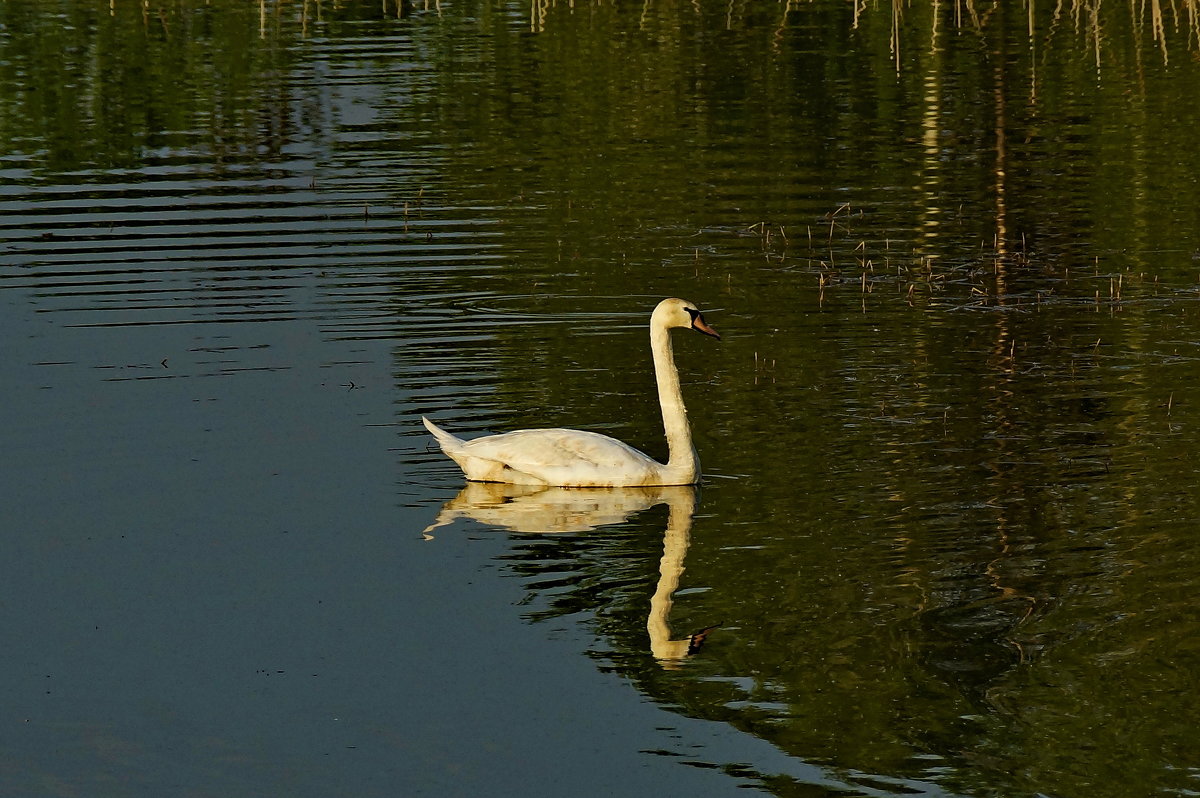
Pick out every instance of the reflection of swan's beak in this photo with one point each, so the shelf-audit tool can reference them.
(697, 640)
(670, 653)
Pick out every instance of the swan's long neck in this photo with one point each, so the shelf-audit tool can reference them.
(682, 456)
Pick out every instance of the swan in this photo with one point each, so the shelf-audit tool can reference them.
(571, 458)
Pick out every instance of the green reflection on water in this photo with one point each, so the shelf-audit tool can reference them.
(102, 85)
(956, 266)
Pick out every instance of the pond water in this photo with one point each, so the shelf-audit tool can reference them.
(946, 540)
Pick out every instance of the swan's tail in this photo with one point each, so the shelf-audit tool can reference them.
(447, 441)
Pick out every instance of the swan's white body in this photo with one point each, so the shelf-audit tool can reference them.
(576, 458)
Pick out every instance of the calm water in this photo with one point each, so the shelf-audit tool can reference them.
(946, 543)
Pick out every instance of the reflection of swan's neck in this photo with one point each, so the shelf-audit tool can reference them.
(670, 569)
(682, 455)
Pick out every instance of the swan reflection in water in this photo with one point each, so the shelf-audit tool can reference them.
(534, 509)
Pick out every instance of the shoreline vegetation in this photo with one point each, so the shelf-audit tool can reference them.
(1091, 26)
(1094, 27)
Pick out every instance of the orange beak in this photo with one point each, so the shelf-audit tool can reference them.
(700, 325)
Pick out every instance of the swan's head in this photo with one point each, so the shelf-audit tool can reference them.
(681, 313)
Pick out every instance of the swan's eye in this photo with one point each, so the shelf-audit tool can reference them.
(695, 314)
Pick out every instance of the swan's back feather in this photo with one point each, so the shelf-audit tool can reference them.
(562, 457)
(556, 448)
(558, 457)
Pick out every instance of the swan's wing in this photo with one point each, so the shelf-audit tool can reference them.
(550, 447)
(561, 457)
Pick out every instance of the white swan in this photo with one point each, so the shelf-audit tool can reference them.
(575, 458)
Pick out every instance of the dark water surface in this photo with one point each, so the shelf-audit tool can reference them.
(947, 540)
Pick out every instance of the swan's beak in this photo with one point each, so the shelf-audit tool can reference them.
(700, 325)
